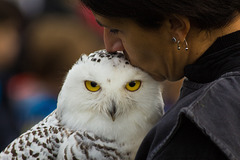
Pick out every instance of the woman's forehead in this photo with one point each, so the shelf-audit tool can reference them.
(109, 22)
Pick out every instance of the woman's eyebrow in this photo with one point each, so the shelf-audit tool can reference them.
(100, 24)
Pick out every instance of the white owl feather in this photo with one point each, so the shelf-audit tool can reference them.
(105, 108)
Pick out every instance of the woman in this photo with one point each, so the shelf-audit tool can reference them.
(171, 39)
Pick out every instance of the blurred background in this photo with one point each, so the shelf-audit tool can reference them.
(39, 42)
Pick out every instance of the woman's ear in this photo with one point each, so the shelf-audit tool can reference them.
(179, 26)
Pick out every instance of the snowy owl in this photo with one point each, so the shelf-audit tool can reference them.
(105, 108)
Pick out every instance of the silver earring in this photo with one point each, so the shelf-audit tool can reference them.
(178, 42)
(174, 39)
(178, 46)
(186, 48)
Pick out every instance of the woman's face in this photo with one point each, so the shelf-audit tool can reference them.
(152, 50)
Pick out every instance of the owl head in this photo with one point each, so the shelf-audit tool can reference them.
(103, 92)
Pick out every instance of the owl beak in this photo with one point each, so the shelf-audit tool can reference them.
(112, 111)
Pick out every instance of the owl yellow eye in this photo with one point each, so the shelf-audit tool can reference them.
(133, 85)
(92, 86)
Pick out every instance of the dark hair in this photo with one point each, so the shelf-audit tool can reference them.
(204, 14)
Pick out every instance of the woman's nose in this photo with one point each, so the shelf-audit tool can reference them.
(112, 42)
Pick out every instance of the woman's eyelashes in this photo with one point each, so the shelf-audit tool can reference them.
(114, 31)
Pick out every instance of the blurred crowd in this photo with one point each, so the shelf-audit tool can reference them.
(39, 42)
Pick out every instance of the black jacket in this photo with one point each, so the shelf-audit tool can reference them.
(205, 122)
